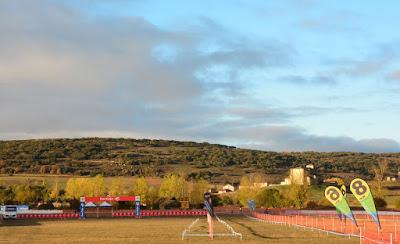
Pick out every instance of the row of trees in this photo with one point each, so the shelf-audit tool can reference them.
(289, 196)
(173, 189)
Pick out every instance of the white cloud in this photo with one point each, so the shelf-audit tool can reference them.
(66, 74)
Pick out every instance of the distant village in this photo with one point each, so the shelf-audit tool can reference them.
(297, 176)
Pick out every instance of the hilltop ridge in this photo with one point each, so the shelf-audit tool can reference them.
(120, 156)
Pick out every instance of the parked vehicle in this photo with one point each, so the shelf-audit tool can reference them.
(9, 211)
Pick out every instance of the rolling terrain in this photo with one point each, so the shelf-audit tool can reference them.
(155, 158)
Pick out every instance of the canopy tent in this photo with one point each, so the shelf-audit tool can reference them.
(105, 204)
(90, 205)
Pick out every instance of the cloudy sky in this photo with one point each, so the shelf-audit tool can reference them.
(272, 75)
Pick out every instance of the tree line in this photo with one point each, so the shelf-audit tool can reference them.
(174, 188)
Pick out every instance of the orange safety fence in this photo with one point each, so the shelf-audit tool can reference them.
(367, 231)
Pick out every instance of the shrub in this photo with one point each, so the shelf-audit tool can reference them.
(46, 206)
(380, 202)
(312, 204)
(269, 198)
(226, 200)
(171, 204)
(397, 203)
(297, 195)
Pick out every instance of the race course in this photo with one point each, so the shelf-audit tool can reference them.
(154, 230)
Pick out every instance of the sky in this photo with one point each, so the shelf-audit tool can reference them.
(290, 75)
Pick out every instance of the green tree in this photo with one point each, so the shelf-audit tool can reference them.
(248, 188)
(152, 196)
(379, 175)
(31, 194)
(97, 186)
(269, 198)
(397, 203)
(22, 194)
(140, 188)
(197, 190)
(71, 189)
(7, 195)
(78, 187)
(297, 195)
(55, 192)
(117, 187)
(173, 186)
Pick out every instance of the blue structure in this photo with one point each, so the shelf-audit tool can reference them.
(82, 213)
(137, 209)
(251, 204)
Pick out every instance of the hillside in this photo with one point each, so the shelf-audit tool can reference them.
(125, 157)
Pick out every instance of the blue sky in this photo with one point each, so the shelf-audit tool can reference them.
(272, 75)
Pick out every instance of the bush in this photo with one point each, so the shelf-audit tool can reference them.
(74, 204)
(269, 198)
(397, 203)
(297, 196)
(171, 204)
(226, 200)
(380, 202)
(312, 205)
(46, 206)
(324, 203)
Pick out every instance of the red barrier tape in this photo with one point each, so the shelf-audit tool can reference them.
(47, 216)
(157, 213)
(144, 213)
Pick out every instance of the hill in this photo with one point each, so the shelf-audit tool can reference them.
(126, 157)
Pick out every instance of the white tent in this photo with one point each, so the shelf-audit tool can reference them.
(105, 204)
(90, 205)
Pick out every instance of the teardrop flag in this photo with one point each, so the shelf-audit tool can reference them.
(339, 214)
(335, 196)
(343, 190)
(362, 192)
(344, 193)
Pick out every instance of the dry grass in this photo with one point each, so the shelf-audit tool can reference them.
(62, 179)
(152, 230)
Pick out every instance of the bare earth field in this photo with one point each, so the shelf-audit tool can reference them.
(62, 179)
(153, 230)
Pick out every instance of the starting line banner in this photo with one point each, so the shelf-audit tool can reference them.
(110, 199)
(84, 200)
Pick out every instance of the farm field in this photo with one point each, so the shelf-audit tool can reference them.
(153, 230)
(62, 179)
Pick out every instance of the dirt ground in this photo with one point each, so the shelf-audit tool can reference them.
(154, 230)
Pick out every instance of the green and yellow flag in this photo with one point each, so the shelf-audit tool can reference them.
(362, 192)
(335, 196)
(343, 190)
(344, 193)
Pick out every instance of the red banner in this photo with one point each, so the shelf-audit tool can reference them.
(110, 199)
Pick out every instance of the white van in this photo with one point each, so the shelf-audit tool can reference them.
(9, 212)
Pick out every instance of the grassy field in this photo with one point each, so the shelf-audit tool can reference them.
(62, 179)
(152, 230)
